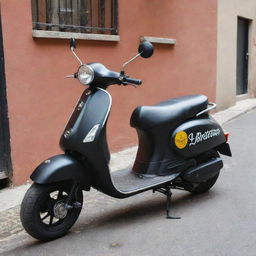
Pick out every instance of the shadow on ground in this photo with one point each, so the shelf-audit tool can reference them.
(117, 214)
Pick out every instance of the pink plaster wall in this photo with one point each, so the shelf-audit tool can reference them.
(40, 99)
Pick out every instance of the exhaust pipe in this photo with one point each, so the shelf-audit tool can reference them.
(203, 171)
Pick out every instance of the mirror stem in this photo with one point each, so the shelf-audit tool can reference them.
(73, 51)
(129, 61)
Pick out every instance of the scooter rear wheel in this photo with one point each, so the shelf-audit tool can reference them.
(43, 213)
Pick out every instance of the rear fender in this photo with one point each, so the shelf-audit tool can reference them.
(224, 149)
(60, 168)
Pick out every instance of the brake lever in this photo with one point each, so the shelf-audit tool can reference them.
(122, 78)
(135, 85)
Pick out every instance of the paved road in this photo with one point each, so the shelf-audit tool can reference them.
(221, 222)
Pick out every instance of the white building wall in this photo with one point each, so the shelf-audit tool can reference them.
(228, 13)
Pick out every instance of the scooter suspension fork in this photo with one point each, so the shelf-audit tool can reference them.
(73, 197)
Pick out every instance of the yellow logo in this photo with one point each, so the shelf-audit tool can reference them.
(181, 140)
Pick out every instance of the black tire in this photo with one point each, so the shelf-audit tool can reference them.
(202, 187)
(39, 206)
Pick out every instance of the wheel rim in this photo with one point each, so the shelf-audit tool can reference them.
(59, 210)
(52, 210)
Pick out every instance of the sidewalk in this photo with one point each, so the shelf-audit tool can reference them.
(11, 197)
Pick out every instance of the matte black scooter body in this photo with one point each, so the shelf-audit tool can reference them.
(170, 148)
(167, 154)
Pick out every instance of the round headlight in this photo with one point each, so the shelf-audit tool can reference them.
(85, 74)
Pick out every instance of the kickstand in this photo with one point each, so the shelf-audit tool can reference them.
(168, 205)
(167, 191)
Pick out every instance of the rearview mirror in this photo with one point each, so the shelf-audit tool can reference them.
(146, 49)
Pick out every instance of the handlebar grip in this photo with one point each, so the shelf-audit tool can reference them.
(133, 81)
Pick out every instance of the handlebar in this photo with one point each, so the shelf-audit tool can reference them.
(132, 80)
(103, 77)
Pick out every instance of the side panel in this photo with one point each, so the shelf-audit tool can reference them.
(155, 156)
(197, 136)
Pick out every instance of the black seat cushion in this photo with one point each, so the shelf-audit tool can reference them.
(174, 110)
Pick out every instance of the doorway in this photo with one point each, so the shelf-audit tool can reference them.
(5, 149)
(242, 56)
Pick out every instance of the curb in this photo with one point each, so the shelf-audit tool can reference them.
(234, 112)
(12, 197)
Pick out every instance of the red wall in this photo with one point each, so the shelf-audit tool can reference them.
(40, 99)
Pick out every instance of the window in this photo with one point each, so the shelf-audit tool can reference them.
(76, 16)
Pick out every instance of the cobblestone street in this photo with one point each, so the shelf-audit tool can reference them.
(12, 233)
(9, 223)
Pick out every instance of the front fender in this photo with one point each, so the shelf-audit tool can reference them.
(60, 168)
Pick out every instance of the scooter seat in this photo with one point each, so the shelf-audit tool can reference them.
(171, 111)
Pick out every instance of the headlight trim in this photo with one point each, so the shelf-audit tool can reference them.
(85, 74)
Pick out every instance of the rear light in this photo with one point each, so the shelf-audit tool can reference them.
(226, 136)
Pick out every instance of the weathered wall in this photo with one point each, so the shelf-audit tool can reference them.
(228, 13)
(40, 98)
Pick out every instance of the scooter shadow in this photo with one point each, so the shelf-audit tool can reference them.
(140, 207)
(137, 208)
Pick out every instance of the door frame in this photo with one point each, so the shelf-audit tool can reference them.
(5, 147)
(244, 47)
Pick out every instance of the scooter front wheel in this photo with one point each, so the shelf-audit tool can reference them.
(45, 214)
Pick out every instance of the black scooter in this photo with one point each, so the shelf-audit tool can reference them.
(179, 146)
